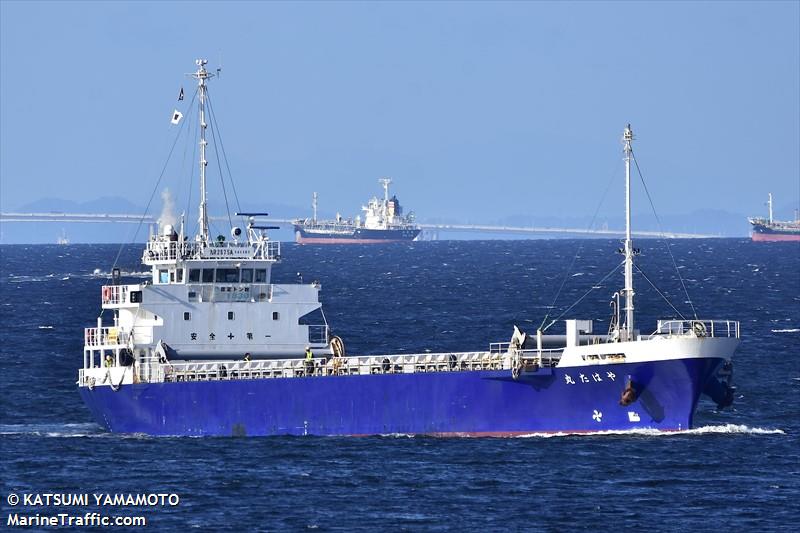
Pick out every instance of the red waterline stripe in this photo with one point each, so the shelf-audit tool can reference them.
(775, 237)
(306, 240)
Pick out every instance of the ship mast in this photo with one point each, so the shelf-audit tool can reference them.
(627, 138)
(770, 208)
(314, 206)
(201, 75)
(385, 182)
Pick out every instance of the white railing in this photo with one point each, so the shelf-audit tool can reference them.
(699, 328)
(105, 337)
(101, 375)
(542, 358)
(331, 366)
(160, 250)
(499, 347)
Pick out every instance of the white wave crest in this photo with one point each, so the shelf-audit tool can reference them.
(53, 430)
(652, 432)
(735, 428)
(67, 276)
(789, 330)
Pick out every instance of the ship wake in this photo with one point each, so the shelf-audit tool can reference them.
(84, 430)
(730, 429)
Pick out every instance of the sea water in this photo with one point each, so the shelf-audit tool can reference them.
(738, 468)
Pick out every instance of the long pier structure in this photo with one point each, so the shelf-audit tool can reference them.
(430, 229)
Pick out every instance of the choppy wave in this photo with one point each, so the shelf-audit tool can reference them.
(97, 274)
(731, 429)
(53, 430)
(788, 330)
(29, 279)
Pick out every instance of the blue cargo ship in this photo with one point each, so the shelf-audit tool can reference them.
(210, 346)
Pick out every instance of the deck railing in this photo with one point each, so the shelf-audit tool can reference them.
(105, 337)
(160, 250)
(331, 366)
(699, 328)
(543, 358)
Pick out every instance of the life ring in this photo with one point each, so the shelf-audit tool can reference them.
(699, 329)
(106, 294)
(337, 346)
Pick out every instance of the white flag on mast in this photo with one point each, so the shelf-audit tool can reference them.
(176, 116)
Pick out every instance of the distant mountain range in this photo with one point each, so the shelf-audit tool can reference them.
(104, 204)
(707, 221)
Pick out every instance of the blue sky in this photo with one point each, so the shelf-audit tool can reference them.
(477, 110)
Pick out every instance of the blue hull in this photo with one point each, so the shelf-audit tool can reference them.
(486, 402)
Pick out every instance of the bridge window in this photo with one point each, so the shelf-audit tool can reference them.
(275, 315)
(247, 275)
(227, 275)
(230, 315)
(163, 276)
(261, 275)
(208, 275)
(194, 275)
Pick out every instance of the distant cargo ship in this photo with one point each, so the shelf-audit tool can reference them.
(383, 222)
(769, 230)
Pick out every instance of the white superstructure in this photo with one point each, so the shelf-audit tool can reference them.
(385, 213)
(206, 299)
